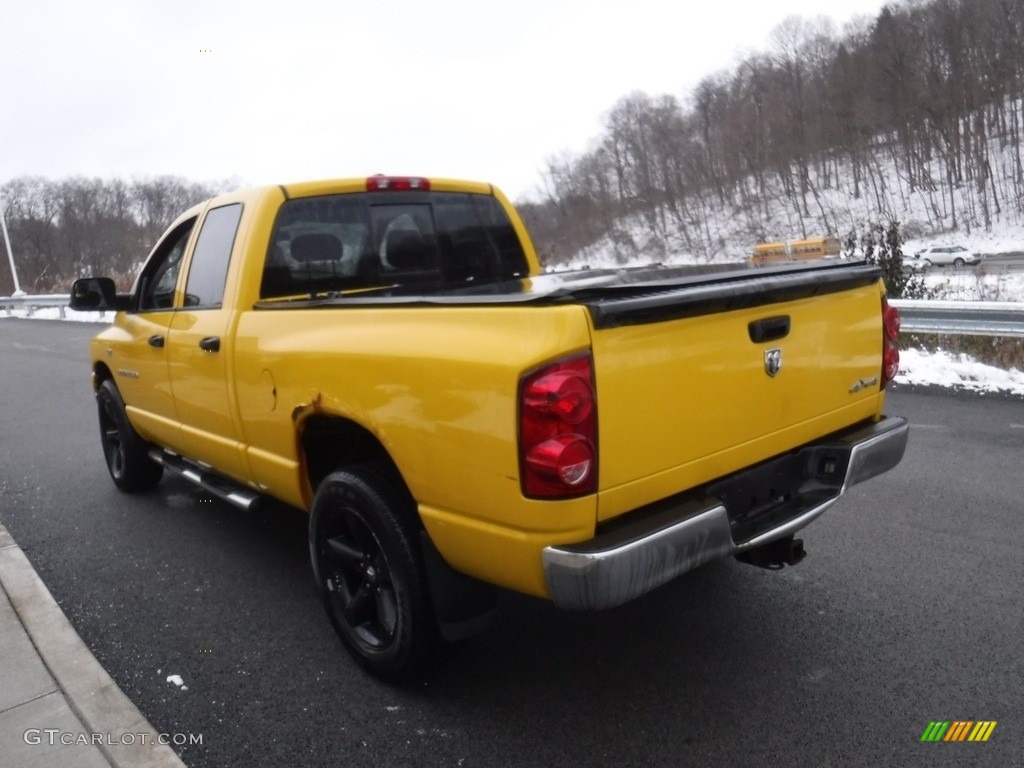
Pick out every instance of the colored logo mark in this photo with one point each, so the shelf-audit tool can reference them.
(958, 730)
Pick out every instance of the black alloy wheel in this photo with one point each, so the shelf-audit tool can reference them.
(110, 435)
(126, 453)
(359, 580)
(367, 561)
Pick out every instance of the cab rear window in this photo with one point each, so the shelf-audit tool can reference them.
(382, 239)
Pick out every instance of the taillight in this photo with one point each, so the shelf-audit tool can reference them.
(397, 183)
(891, 319)
(558, 430)
(890, 333)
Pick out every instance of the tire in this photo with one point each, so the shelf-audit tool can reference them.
(958, 262)
(368, 565)
(126, 453)
(927, 263)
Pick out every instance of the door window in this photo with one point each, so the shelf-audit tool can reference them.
(208, 271)
(161, 273)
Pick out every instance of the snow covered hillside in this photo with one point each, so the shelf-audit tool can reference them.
(838, 199)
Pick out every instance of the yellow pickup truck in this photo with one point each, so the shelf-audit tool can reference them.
(387, 353)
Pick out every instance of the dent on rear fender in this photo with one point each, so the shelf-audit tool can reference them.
(302, 410)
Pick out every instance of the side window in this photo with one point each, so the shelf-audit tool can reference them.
(161, 273)
(209, 268)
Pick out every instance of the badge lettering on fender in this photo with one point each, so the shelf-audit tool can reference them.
(863, 384)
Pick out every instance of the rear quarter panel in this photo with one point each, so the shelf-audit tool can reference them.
(438, 387)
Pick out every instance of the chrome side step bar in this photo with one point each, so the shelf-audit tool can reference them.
(221, 487)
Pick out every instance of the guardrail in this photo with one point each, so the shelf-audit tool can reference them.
(953, 318)
(961, 318)
(32, 303)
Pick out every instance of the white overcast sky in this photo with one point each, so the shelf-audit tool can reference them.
(308, 89)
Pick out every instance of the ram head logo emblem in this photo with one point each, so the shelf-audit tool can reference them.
(772, 361)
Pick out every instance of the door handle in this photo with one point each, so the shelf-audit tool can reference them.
(156, 340)
(210, 344)
(769, 329)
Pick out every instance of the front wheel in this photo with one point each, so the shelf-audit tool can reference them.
(126, 453)
(958, 262)
(369, 567)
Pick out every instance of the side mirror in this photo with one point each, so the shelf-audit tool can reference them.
(97, 294)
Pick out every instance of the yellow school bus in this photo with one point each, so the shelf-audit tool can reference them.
(810, 248)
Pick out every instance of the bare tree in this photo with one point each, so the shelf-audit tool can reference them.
(928, 89)
(61, 230)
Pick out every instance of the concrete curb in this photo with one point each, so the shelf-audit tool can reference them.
(90, 692)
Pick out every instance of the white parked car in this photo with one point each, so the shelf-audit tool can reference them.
(913, 263)
(956, 255)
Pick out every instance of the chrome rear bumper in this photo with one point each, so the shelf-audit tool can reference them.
(654, 545)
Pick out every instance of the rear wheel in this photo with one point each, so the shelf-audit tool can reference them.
(126, 453)
(369, 567)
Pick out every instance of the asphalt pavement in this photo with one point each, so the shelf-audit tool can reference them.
(907, 610)
(58, 706)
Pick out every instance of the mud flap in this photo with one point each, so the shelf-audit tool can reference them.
(464, 606)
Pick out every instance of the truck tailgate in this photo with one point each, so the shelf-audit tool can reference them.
(699, 382)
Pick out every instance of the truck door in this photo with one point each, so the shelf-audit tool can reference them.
(140, 365)
(198, 350)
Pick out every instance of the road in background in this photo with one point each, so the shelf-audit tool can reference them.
(990, 264)
(908, 609)
(1000, 263)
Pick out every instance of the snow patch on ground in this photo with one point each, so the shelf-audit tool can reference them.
(53, 313)
(176, 679)
(956, 371)
(968, 285)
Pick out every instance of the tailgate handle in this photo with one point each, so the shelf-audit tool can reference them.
(769, 329)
